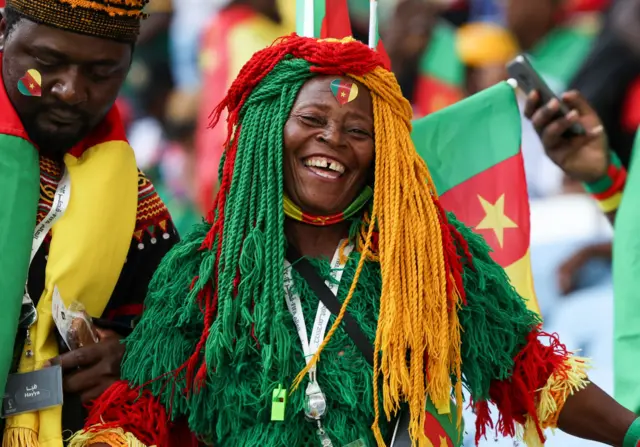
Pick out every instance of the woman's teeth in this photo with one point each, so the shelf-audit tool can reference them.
(325, 163)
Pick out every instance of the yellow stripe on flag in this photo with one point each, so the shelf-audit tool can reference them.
(522, 279)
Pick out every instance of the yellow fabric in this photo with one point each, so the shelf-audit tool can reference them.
(610, 204)
(568, 379)
(481, 44)
(115, 437)
(88, 249)
(522, 279)
(254, 35)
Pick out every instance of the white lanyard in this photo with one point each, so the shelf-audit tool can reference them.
(58, 207)
(310, 347)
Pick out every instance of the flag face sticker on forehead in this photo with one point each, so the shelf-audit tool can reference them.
(344, 91)
(30, 84)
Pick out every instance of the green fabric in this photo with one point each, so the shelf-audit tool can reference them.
(626, 274)
(237, 396)
(470, 136)
(20, 186)
(318, 14)
(440, 59)
(632, 438)
(559, 56)
(606, 182)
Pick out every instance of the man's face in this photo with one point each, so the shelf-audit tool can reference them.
(81, 78)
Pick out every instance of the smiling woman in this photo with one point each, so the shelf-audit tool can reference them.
(324, 200)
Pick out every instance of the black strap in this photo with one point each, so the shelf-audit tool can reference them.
(318, 285)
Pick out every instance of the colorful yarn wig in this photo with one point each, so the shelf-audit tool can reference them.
(426, 296)
(428, 274)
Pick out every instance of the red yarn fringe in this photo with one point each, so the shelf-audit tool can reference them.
(452, 242)
(515, 398)
(138, 413)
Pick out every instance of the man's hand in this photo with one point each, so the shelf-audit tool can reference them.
(585, 157)
(90, 370)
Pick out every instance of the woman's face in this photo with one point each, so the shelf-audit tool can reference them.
(328, 147)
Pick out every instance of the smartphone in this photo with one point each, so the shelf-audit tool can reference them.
(528, 80)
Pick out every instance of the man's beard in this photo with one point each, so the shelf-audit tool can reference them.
(55, 145)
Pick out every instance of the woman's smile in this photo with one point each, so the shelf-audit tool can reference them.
(325, 167)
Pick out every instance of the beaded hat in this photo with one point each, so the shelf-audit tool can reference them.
(117, 20)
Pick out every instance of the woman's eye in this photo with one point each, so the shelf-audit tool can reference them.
(360, 132)
(310, 119)
(44, 63)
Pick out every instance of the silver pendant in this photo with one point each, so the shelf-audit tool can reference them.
(28, 314)
(325, 441)
(28, 317)
(315, 404)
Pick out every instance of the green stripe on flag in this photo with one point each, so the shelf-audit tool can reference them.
(626, 284)
(318, 15)
(20, 186)
(470, 136)
(440, 59)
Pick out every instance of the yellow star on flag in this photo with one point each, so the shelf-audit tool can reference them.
(343, 94)
(495, 219)
(31, 86)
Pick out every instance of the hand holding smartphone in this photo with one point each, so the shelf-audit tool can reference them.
(529, 80)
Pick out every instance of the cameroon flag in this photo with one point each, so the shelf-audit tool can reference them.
(441, 73)
(472, 149)
(331, 19)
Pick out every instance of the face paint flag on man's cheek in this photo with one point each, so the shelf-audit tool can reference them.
(31, 83)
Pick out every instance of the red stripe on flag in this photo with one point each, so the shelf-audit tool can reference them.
(497, 195)
(31, 84)
(385, 56)
(336, 22)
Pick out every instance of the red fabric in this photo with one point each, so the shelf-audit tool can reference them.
(10, 123)
(128, 310)
(435, 432)
(515, 397)
(336, 22)
(631, 107)
(140, 414)
(209, 142)
(619, 176)
(575, 6)
(432, 95)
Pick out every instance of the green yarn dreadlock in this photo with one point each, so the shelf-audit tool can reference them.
(254, 246)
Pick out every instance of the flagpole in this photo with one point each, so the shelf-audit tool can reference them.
(309, 20)
(373, 24)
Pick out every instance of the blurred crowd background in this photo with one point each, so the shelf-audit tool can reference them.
(189, 51)
(441, 51)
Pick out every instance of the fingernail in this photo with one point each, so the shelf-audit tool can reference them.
(572, 115)
(553, 104)
(47, 364)
(597, 130)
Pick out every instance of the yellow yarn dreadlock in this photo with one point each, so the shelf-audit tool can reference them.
(417, 316)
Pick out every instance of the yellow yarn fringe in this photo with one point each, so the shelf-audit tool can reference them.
(114, 437)
(414, 307)
(20, 437)
(570, 378)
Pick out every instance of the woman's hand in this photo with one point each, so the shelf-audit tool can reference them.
(584, 157)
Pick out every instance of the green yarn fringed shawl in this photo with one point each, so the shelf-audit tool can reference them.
(233, 407)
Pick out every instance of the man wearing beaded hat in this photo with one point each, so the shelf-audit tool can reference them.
(79, 223)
